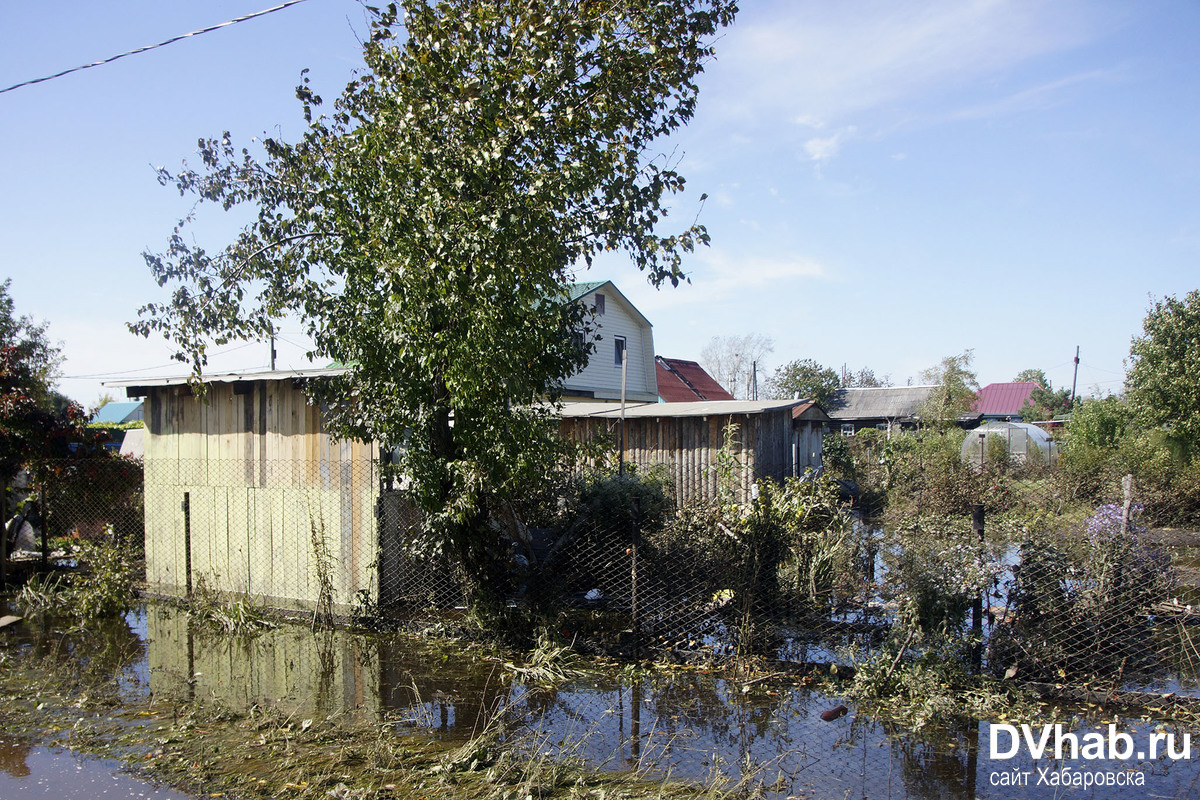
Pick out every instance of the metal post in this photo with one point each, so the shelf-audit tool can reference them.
(187, 540)
(624, 372)
(45, 526)
(977, 604)
(3, 534)
(1075, 377)
(633, 576)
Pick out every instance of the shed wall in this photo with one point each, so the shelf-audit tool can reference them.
(268, 491)
(690, 447)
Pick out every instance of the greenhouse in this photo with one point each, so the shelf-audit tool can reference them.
(1024, 442)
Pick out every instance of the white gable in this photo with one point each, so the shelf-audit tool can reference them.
(619, 321)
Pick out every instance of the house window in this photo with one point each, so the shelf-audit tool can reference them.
(618, 350)
(847, 429)
(599, 304)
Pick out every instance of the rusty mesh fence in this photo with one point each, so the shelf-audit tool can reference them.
(990, 576)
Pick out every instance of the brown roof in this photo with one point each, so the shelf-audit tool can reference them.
(681, 381)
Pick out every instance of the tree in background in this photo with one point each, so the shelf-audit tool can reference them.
(804, 378)
(957, 388)
(36, 421)
(34, 361)
(424, 231)
(1161, 385)
(865, 378)
(1044, 402)
(735, 361)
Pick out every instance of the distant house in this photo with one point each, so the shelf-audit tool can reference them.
(681, 381)
(887, 408)
(621, 330)
(120, 413)
(1003, 401)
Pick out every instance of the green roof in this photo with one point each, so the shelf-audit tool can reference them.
(578, 290)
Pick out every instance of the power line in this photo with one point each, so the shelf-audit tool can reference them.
(175, 364)
(172, 40)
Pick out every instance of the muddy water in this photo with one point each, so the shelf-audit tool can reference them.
(39, 773)
(687, 723)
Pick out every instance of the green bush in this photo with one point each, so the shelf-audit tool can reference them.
(1079, 603)
(102, 587)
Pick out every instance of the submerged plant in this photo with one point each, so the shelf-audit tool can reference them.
(103, 587)
(238, 614)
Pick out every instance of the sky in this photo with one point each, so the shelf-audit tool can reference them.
(888, 182)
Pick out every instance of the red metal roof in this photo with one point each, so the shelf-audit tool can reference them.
(1003, 399)
(681, 381)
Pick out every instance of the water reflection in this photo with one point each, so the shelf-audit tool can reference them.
(685, 723)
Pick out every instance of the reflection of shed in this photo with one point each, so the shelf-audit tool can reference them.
(246, 490)
(773, 439)
(1024, 442)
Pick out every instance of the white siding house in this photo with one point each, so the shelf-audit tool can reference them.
(619, 325)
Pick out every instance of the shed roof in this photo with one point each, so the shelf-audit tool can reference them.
(884, 402)
(133, 385)
(116, 413)
(708, 408)
(1003, 399)
(681, 381)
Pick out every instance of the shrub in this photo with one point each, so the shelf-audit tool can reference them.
(1079, 604)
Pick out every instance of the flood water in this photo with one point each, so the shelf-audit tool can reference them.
(691, 724)
(28, 772)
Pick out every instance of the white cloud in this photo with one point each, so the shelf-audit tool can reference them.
(819, 64)
(721, 278)
(1034, 98)
(821, 149)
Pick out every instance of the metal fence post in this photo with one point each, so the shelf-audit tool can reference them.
(633, 576)
(187, 540)
(3, 534)
(45, 522)
(977, 604)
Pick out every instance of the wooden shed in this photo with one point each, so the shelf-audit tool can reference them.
(770, 438)
(247, 492)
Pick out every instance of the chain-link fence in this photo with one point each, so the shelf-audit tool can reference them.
(987, 579)
(1014, 583)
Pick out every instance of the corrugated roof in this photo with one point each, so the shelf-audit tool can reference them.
(885, 402)
(230, 377)
(116, 413)
(697, 409)
(681, 381)
(1003, 399)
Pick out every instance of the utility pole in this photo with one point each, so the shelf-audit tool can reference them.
(753, 380)
(272, 348)
(1075, 378)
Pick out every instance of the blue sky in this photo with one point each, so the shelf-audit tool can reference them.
(889, 183)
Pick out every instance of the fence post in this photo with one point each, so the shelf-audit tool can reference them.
(977, 603)
(45, 522)
(3, 533)
(1127, 491)
(633, 576)
(187, 540)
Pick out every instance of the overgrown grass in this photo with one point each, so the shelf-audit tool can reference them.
(228, 614)
(102, 587)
